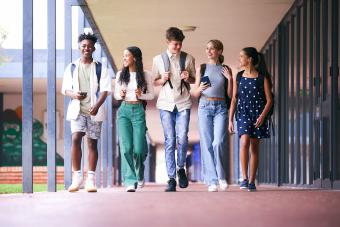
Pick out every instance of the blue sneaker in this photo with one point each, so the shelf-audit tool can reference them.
(244, 184)
(251, 187)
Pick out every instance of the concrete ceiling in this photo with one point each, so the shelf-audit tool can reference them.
(237, 23)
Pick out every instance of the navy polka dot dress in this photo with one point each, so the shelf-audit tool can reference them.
(250, 104)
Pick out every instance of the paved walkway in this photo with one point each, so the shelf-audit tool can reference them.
(269, 206)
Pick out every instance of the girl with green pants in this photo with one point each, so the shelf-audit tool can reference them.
(133, 86)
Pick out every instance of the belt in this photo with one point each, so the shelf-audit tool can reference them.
(133, 102)
(214, 99)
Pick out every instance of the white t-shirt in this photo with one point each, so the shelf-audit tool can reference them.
(132, 86)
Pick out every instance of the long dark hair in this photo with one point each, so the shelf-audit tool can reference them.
(125, 74)
(258, 61)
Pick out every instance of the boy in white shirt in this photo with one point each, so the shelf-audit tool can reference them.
(87, 83)
(174, 71)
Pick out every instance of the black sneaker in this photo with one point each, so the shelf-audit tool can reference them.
(183, 180)
(251, 187)
(171, 185)
(244, 184)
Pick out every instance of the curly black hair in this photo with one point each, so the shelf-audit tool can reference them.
(84, 36)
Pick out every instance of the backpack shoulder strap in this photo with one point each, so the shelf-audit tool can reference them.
(225, 79)
(238, 77)
(228, 100)
(182, 58)
(73, 66)
(202, 69)
(166, 61)
(98, 70)
(261, 80)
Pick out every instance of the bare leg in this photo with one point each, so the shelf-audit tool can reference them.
(254, 158)
(76, 150)
(93, 153)
(244, 154)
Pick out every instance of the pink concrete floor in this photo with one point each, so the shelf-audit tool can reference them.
(150, 206)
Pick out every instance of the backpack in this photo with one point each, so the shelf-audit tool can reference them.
(166, 62)
(260, 82)
(98, 71)
(227, 99)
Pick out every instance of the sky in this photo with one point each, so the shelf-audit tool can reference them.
(11, 22)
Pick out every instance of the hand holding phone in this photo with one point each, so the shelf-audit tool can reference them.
(83, 93)
(206, 81)
(78, 95)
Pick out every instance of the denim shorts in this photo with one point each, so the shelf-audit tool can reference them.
(83, 123)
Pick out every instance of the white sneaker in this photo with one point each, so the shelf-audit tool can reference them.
(223, 185)
(90, 185)
(141, 183)
(130, 188)
(212, 188)
(77, 181)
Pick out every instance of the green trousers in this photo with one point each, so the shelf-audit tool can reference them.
(132, 141)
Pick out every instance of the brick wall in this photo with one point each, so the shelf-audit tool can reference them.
(13, 175)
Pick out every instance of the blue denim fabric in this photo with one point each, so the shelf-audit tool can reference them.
(175, 126)
(212, 116)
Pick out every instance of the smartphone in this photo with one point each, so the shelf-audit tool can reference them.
(205, 80)
(83, 93)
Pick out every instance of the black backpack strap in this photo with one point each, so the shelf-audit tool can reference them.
(202, 69)
(238, 76)
(227, 98)
(72, 68)
(98, 73)
(238, 79)
(182, 59)
(260, 80)
(166, 63)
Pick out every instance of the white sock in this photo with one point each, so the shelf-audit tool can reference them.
(91, 174)
(77, 172)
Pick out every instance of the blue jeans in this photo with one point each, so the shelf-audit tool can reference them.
(212, 116)
(175, 126)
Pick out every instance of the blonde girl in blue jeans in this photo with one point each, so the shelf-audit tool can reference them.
(212, 114)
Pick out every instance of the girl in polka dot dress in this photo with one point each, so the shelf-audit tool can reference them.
(252, 100)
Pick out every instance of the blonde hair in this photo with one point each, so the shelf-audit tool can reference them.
(217, 44)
